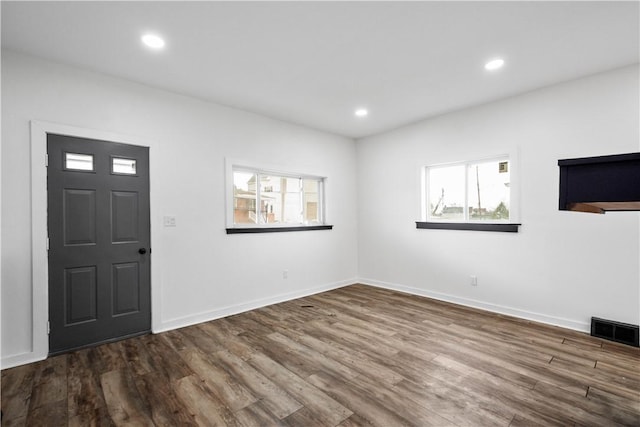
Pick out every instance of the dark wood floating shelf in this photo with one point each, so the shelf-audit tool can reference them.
(600, 184)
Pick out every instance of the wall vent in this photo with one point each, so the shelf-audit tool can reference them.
(615, 331)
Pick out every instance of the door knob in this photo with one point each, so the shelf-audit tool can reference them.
(142, 251)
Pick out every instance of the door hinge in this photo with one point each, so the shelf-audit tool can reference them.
(46, 160)
(48, 327)
(47, 243)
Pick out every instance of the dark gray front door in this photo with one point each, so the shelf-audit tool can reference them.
(99, 242)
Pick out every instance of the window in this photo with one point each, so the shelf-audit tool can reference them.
(78, 162)
(122, 166)
(469, 192)
(275, 201)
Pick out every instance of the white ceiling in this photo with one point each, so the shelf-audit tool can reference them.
(314, 63)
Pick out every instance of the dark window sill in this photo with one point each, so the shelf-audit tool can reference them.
(472, 226)
(277, 229)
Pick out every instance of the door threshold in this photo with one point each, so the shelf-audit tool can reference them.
(96, 344)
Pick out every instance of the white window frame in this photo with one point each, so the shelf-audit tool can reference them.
(233, 165)
(514, 211)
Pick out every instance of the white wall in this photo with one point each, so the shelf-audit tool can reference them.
(0, 209)
(198, 271)
(562, 267)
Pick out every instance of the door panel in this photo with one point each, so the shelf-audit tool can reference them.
(98, 219)
(80, 294)
(126, 288)
(79, 217)
(124, 214)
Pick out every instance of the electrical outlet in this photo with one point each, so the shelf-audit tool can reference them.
(474, 280)
(169, 221)
(285, 274)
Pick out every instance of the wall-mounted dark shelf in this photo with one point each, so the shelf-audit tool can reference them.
(600, 184)
(470, 226)
(254, 230)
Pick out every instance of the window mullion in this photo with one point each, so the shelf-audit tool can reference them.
(321, 201)
(466, 192)
(301, 191)
(258, 197)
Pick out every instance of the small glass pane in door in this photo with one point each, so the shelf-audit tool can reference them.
(123, 166)
(78, 162)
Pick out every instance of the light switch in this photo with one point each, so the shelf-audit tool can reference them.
(169, 221)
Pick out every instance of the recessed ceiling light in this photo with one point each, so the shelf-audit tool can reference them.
(153, 41)
(361, 112)
(494, 64)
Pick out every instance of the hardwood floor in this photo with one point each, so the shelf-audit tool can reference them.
(350, 357)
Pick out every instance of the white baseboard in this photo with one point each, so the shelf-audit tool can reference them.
(20, 359)
(494, 308)
(29, 357)
(193, 319)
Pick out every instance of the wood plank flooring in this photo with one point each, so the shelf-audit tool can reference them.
(355, 356)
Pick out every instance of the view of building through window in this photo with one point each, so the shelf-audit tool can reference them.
(471, 191)
(265, 198)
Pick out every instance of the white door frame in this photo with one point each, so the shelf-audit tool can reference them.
(39, 258)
